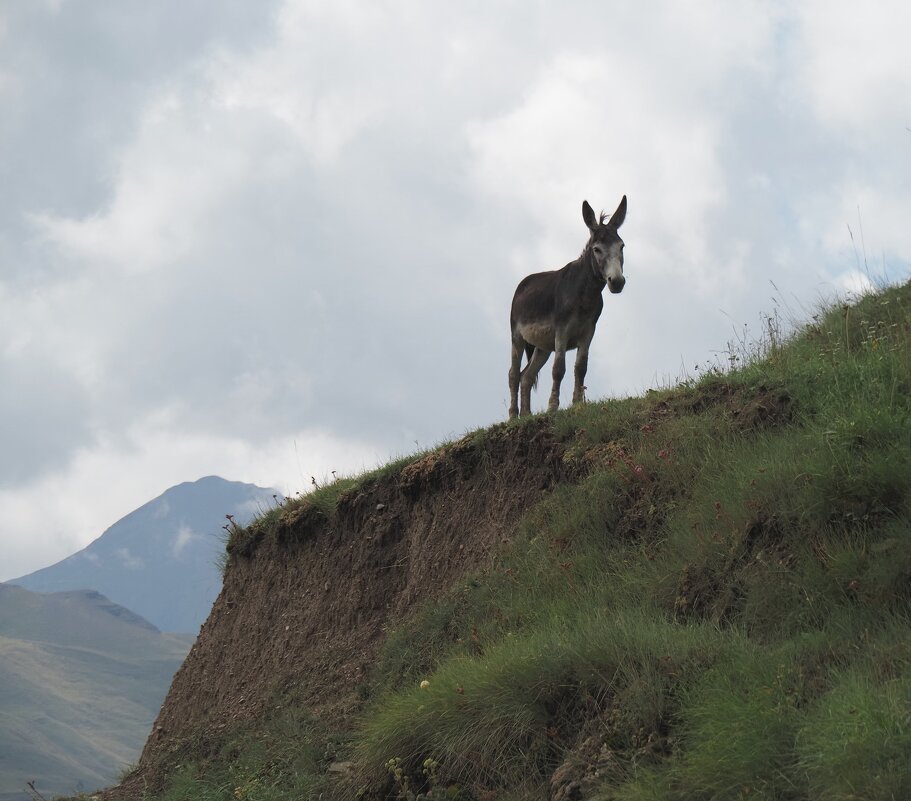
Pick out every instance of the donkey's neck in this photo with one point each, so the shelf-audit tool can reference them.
(588, 273)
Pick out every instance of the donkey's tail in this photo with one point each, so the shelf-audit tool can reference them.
(529, 349)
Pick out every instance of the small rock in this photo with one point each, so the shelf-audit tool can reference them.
(380, 507)
(341, 767)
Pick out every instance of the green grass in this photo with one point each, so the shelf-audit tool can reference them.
(856, 740)
(283, 757)
(718, 608)
(508, 714)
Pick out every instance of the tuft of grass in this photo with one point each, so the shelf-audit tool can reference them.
(282, 757)
(738, 727)
(502, 717)
(856, 740)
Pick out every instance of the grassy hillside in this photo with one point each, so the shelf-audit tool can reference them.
(718, 608)
(80, 682)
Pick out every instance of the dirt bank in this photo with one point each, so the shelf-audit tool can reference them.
(305, 606)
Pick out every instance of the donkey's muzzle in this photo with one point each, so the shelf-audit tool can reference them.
(615, 285)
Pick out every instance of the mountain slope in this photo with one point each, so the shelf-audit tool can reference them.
(161, 560)
(701, 593)
(81, 679)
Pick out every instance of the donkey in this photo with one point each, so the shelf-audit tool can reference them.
(556, 311)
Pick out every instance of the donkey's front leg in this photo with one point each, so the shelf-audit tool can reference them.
(581, 367)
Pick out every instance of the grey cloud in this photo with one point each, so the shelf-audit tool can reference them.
(76, 78)
(324, 229)
(43, 419)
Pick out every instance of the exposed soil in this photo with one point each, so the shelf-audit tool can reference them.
(593, 760)
(749, 408)
(305, 611)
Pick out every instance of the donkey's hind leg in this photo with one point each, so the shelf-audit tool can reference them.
(518, 347)
(529, 377)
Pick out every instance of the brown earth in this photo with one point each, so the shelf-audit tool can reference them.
(304, 610)
(747, 408)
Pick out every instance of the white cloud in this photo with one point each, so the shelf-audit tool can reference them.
(182, 538)
(322, 118)
(853, 283)
(7, 81)
(856, 67)
(162, 509)
(167, 183)
(128, 560)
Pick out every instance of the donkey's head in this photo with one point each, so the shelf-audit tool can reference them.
(606, 246)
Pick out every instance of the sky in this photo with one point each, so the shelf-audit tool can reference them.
(271, 240)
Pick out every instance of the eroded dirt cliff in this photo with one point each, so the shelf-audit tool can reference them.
(304, 606)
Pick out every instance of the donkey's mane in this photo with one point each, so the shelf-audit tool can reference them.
(588, 244)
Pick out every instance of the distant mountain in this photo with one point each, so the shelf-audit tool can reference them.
(81, 681)
(161, 561)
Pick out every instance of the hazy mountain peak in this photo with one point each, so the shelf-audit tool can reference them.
(160, 561)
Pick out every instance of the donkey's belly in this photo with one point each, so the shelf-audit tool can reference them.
(541, 335)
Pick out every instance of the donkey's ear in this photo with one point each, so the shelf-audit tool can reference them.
(619, 215)
(588, 214)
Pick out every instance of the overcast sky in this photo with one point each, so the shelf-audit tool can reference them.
(268, 240)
